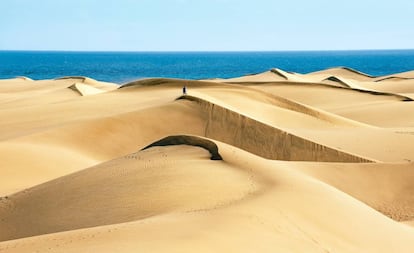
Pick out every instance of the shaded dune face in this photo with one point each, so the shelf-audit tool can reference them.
(265, 140)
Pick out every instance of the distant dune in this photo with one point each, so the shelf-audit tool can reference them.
(269, 162)
(85, 90)
(343, 72)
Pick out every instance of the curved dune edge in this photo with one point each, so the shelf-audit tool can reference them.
(402, 75)
(392, 78)
(286, 77)
(83, 79)
(353, 87)
(342, 71)
(381, 93)
(354, 71)
(307, 110)
(85, 90)
(151, 82)
(169, 82)
(340, 81)
(267, 76)
(106, 86)
(350, 85)
(208, 145)
(265, 140)
(203, 83)
(280, 73)
(25, 78)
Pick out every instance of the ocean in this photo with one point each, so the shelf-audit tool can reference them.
(122, 67)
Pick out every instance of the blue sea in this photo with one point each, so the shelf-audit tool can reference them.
(122, 67)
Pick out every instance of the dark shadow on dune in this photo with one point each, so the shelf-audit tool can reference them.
(277, 72)
(149, 82)
(168, 82)
(82, 78)
(356, 72)
(337, 80)
(189, 140)
(393, 78)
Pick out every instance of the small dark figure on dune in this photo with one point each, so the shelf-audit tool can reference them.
(184, 90)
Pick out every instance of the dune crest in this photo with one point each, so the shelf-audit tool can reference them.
(391, 78)
(271, 143)
(343, 72)
(85, 90)
(189, 140)
(90, 82)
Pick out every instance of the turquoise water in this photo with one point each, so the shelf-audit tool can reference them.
(121, 67)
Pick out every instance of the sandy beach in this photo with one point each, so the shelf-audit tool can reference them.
(271, 162)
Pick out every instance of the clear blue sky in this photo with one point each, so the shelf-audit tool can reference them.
(206, 25)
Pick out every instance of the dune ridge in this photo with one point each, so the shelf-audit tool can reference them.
(392, 78)
(354, 71)
(85, 90)
(344, 72)
(326, 80)
(280, 73)
(90, 82)
(189, 140)
(271, 143)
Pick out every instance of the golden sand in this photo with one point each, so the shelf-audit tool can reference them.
(318, 162)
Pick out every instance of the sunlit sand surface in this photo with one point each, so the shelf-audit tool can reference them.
(272, 162)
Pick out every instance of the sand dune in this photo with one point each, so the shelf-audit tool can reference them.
(208, 145)
(216, 203)
(85, 141)
(264, 139)
(343, 72)
(271, 162)
(403, 75)
(268, 76)
(367, 107)
(91, 82)
(343, 82)
(394, 85)
(290, 76)
(390, 78)
(386, 187)
(287, 139)
(130, 188)
(85, 90)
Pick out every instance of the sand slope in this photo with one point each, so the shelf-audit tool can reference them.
(271, 162)
(198, 203)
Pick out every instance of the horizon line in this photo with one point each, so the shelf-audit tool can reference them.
(204, 51)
